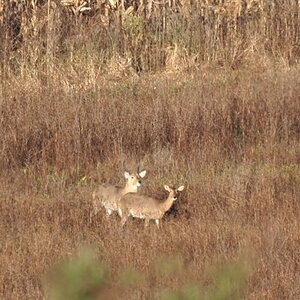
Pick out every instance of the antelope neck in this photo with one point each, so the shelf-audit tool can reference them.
(166, 205)
(128, 190)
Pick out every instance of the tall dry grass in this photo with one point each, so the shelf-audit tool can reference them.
(221, 116)
(73, 123)
(152, 35)
(232, 137)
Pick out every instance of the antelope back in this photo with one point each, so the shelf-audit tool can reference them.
(139, 204)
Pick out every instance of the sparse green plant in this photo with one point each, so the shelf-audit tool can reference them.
(85, 279)
(79, 279)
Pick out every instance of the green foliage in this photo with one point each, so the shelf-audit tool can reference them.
(167, 266)
(132, 277)
(190, 292)
(80, 279)
(229, 282)
(134, 26)
(85, 279)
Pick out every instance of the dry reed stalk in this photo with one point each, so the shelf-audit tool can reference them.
(223, 32)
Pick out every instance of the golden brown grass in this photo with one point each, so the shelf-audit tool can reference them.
(221, 117)
(232, 137)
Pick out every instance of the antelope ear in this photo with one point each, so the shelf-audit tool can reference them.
(167, 188)
(181, 188)
(143, 173)
(126, 174)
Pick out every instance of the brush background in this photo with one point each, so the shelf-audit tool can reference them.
(212, 107)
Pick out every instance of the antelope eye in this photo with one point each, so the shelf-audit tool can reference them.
(132, 177)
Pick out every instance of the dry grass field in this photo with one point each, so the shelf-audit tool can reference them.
(231, 137)
(225, 126)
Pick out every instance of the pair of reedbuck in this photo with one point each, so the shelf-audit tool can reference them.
(128, 202)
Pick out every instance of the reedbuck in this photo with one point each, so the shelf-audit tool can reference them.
(143, 207)
(108, 195)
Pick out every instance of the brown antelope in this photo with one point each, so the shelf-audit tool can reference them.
(143, 207)
(108, 195)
